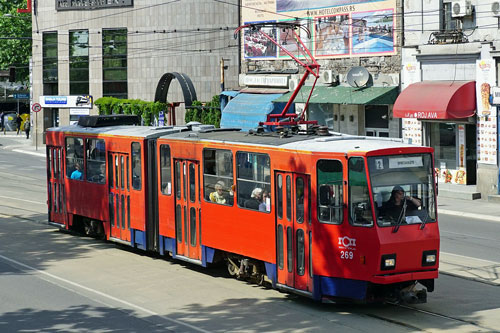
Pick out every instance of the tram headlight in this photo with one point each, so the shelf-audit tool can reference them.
(388, 262)
(429, 258)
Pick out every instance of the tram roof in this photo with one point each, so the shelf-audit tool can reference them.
(146, 132)
(333, 143)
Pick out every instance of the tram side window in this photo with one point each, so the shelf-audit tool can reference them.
(96, 161)
(360, 211)
(218, 176)
(74, 158)
(136, 166)
(166, 170)
(330, 192)
(254, 181)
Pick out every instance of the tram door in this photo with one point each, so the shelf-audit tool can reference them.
(56, 196)
(187, 209)
(294, 232)
(119, 195)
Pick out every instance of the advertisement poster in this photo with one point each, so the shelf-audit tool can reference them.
(412, 128)
(338, 28)
(487, 113)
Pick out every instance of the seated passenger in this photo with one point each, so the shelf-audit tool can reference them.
(77, 174)
(393, 207)
(218, 195)
(255, 199)
(263, 206)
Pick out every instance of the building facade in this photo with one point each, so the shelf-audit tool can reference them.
(451, 48)
(122, 49)
(343, 37)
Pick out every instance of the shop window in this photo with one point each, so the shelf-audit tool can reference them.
(330, 191)
(443, 137)
(96, 161)
(376, 116)
(136, 166)
(74, 158)
(218, 176)
(360, 212)
(166, 170)
(253, 181)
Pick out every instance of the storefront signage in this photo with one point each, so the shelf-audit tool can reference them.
(79, 112)
(265, 80)
(405, 162)
(84, 101)
(91, 4)
(338, 28)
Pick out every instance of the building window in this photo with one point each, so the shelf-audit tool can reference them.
(49, 54)
(79, 62)
(114, 63)
(447, 21)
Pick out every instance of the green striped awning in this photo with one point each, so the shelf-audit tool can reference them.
(345, 95)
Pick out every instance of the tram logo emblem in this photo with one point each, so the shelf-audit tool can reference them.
(347, 243)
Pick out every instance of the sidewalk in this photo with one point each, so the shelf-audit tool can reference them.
(465, 267)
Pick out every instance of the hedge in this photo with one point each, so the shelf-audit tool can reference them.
(146, 110)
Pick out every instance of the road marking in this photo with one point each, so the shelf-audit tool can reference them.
(137, 307)
(28, 152)
(471, 215)
(30, 201)
(472, 258)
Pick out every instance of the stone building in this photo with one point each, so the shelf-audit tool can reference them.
(123, 48)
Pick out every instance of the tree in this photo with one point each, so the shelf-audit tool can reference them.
(15, 38)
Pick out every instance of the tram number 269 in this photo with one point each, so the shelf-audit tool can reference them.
(347, 255)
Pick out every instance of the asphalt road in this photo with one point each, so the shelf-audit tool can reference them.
(52, 281)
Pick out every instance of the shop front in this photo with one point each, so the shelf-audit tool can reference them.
(442, 115)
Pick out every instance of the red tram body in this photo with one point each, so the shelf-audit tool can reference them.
(199, 194)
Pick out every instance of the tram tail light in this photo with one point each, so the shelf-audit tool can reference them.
(388, 262)
(429, 258)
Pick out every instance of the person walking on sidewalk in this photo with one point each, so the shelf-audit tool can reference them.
(19, 121)
(1, 121)
(27, 128)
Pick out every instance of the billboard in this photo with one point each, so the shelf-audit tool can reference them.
(339, 28)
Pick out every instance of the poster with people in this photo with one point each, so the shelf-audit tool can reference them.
(336, 28)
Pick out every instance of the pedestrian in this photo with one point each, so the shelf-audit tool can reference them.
(19, 121)
(27, 127)
(1, 121)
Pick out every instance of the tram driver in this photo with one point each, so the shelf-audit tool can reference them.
(393, 208)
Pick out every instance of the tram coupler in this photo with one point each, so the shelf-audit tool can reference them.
(412, 295)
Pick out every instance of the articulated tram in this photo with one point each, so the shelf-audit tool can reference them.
(306, 212)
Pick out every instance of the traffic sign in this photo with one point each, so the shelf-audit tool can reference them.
(36, 107)
(21, 96)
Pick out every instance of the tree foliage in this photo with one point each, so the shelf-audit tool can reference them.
(14, 50)
(206, 113)
(146, 110)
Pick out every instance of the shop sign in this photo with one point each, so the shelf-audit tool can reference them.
(91, 4)
(266, 80)
(79, 112)
(81, 102)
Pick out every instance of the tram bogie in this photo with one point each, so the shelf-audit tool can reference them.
(320, 216)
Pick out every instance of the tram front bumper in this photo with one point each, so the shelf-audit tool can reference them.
(401, 277)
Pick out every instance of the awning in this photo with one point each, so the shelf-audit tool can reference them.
(345, 95)
(245, 111)
(437, 100)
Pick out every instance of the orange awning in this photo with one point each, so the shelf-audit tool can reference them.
(437, 100)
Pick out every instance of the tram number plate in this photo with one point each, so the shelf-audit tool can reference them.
(347, 255)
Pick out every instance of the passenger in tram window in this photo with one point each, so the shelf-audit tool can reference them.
(265, 205)
(77, 174)
(255, 199)
(218, 195)
(101, 177)
(393, 207)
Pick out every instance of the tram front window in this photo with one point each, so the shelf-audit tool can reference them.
(403, 189)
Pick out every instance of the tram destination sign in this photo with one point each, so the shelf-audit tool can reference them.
(91, 4)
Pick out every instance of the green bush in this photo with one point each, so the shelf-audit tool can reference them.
(146, 110)
(206, 113)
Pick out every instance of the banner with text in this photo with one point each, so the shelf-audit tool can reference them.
(338, 28)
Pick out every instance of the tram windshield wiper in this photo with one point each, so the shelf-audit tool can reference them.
(402, 216)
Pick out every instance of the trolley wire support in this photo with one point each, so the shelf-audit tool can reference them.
(310, 65)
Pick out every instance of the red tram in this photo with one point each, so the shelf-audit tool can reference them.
(307, 213)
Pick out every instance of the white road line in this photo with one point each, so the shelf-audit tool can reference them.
(470, 258)
(30, 201)
(137, 307)
(28, 152)
(470, 215)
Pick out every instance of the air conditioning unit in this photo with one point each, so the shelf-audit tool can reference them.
(461, 8)
(495, 8)
(293, 83)
(327, 76)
